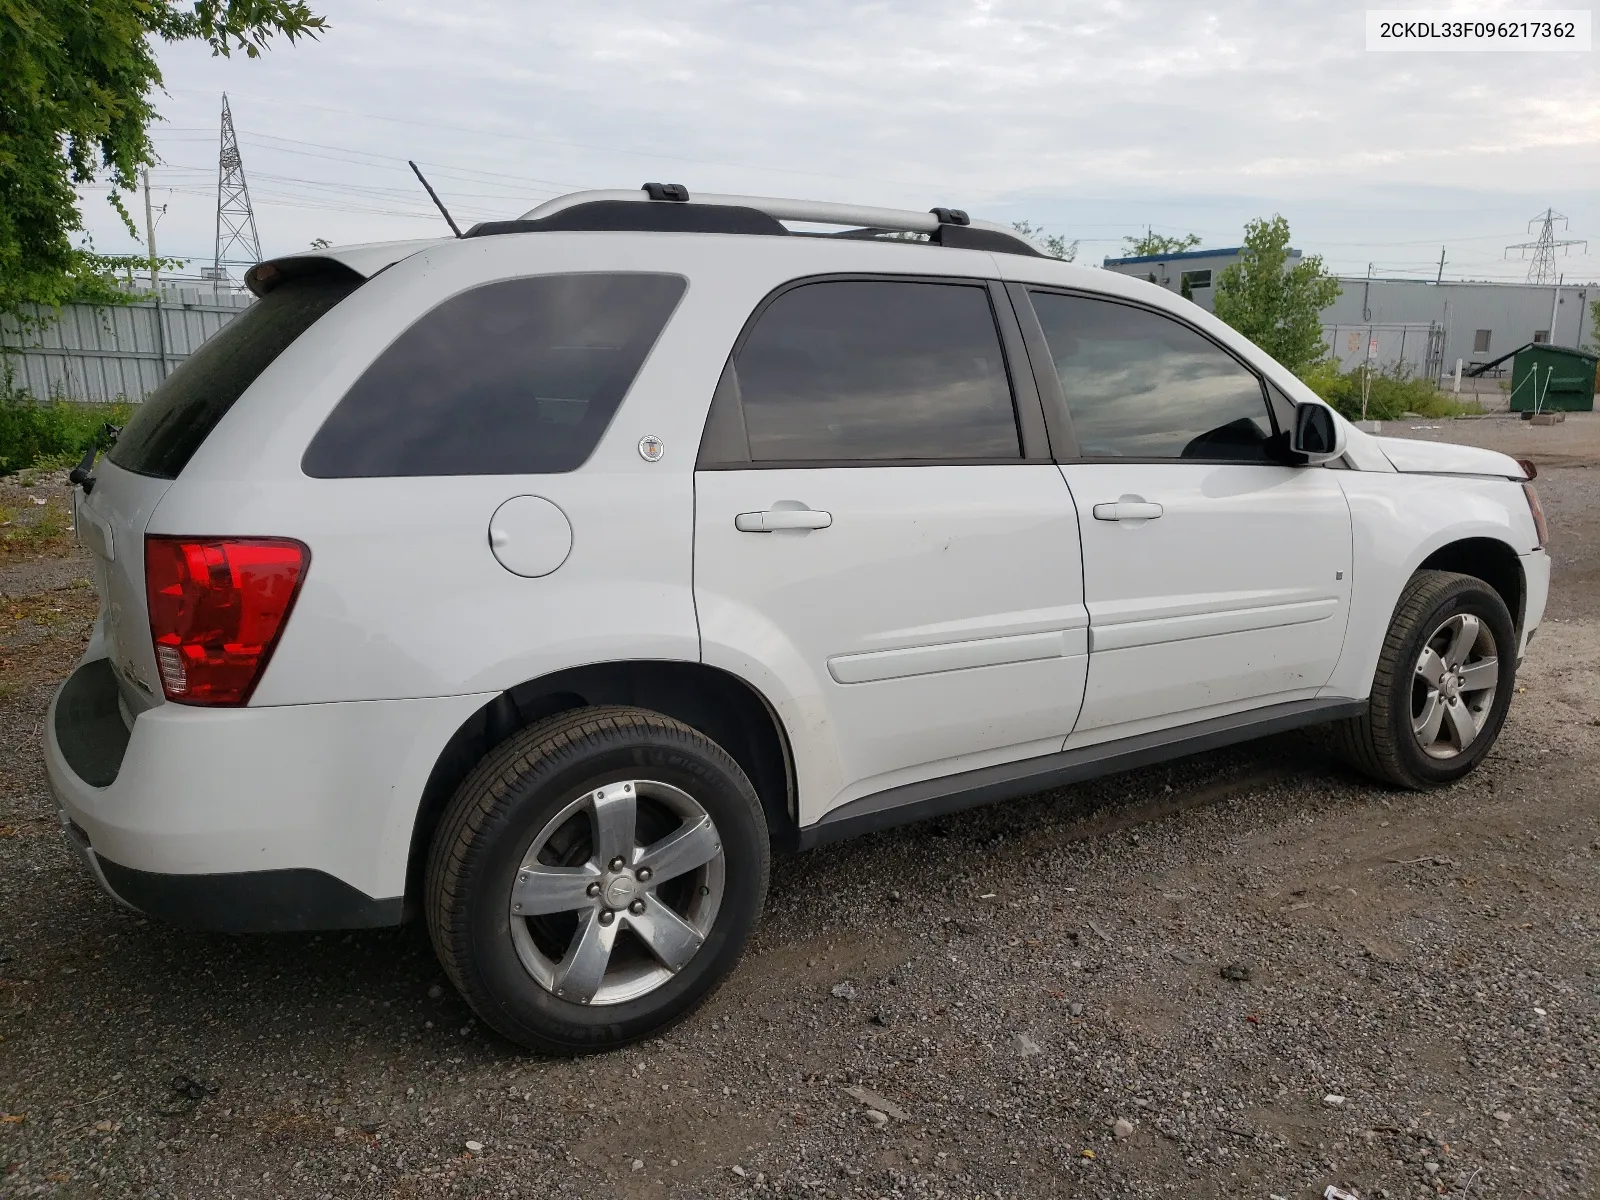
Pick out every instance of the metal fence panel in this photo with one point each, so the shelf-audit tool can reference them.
(115, 353)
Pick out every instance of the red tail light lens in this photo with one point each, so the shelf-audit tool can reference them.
(217, 606)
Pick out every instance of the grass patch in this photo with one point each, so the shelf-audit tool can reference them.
(19, 536)
(1392, 395)
(28, 527)
(50, 434)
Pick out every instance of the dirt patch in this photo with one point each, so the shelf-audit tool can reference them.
(1020, 979)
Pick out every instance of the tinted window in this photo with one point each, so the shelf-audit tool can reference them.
(873, 370)
(175, 418)
(519, 377)
(1140, 385)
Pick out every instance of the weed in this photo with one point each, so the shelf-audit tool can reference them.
(1391, 395)
(19, 534)
(51, 434)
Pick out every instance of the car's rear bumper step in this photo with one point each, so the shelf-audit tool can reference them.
(281, 901)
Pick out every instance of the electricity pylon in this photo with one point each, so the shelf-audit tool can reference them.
(236, 220)
(1543, 267)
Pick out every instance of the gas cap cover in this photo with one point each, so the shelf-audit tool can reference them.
(530, 536)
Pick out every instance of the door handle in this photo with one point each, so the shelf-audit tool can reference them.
(1129, 508)
(782, 518)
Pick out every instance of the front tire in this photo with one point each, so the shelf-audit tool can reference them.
(595, 877)
(1444, 681)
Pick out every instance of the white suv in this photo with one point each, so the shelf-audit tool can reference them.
(538, 581)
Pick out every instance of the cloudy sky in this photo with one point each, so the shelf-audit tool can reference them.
(1093, 119)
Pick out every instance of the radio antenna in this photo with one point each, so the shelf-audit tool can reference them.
(454, 228)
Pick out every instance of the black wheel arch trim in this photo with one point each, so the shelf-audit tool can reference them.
(1497, 563)
(719, 704)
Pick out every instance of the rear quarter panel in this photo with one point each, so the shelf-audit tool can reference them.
(403, 597)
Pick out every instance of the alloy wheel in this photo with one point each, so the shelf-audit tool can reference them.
(1454, 686)
(617, 892)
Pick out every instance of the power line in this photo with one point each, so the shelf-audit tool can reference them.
(521, 137)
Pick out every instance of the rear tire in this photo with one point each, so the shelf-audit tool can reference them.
(1444, 681)
(595, 877)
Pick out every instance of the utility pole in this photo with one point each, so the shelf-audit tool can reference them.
(1555, 308)
(1439, 278)
(155, 274)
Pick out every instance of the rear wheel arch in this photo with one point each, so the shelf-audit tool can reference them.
(711, 701)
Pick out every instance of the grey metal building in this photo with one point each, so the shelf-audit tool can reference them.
(1422, 324)
(1428, 326)
(1191, 273)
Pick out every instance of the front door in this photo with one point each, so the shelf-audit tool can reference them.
(1216, 577)
(875, 551)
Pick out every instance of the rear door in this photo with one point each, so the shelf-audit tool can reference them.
(1217, 578)
(882, 542)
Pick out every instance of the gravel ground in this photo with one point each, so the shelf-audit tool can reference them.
(1245, 974)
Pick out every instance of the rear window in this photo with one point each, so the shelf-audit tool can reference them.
(177, 417)
(519, 377)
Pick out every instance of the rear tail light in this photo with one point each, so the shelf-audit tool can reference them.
(1537, 510)
(217, 607)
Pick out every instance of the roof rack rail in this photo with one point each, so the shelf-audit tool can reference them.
(670, 207)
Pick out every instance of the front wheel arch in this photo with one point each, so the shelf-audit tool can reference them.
(1382, 742)
(1490, 560)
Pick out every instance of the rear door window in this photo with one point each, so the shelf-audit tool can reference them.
(177, 417)
(1141, 385)
(519, 377)
(849, 371)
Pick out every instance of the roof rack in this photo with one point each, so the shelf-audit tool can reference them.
(658, 207)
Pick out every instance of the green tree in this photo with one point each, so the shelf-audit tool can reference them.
(1158, 243)
(1276, 306)
(75, 84)
(1594, 325)
(1053, 244)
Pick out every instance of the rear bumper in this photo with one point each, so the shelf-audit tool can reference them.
(237, 902)
(246, 819)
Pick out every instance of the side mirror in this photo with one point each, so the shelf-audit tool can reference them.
(1317, 435)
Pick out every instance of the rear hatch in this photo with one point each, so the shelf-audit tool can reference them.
(157, 443)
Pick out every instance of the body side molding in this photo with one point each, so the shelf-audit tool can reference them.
(989, 785)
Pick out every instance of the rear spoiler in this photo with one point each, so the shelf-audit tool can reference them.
(364, 261)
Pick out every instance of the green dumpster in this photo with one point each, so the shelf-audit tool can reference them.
(1555, 378)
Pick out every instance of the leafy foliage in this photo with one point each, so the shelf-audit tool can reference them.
(1594, 325)
(75, 103)
(1393, 393)
(1053, 244)
(1156, 243)
(1276, 306)
(38, 432)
